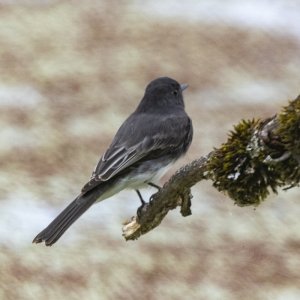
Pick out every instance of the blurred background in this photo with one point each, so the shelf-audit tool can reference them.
(71, 72)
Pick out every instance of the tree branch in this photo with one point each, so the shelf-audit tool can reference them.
(259, 156)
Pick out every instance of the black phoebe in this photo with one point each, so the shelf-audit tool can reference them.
(155, 135)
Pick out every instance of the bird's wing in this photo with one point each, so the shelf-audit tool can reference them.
(133, 142)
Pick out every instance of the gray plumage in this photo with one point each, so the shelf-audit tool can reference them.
(155, 135)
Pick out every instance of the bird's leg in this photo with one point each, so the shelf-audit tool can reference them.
(144, 203)
(154, 185)
(141, 198)
(143, 206)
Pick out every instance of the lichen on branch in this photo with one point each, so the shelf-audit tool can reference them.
(258, 157)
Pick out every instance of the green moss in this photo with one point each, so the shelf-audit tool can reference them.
(247, 167)
(289, 132)
(237, 167)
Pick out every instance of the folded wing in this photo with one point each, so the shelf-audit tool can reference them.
(134, 142)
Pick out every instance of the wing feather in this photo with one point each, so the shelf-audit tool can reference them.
(132, 143)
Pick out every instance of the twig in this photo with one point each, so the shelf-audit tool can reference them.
(258, 156)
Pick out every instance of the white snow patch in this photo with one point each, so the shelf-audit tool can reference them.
(282, 16)
(19, 96)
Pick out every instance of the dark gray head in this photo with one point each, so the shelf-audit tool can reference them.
(162, 93)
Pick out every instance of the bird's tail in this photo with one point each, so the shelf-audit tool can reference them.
(67, 217)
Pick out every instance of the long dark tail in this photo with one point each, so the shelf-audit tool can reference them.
(67, 217)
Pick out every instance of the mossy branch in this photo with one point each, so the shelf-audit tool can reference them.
(259, 156)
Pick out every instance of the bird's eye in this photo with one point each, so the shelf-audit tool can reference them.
(175, 92)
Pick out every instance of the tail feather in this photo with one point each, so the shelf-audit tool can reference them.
(66, 218)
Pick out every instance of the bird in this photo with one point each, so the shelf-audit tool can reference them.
(152, 138)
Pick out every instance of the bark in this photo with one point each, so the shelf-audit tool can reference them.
(259, 156)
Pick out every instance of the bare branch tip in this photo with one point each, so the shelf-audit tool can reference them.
(130, 228)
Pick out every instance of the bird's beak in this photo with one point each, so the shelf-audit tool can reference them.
(184, 86)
